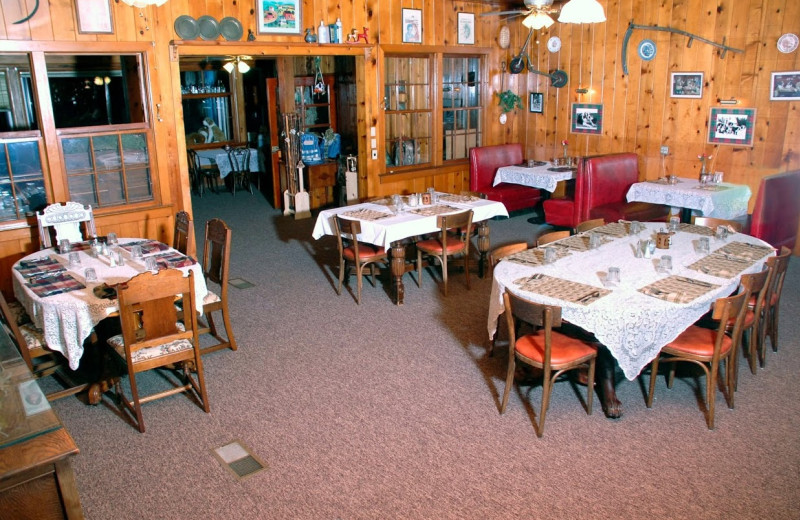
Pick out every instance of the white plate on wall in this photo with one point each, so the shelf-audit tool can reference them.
(788, 43)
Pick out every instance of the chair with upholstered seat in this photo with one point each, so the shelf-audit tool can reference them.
(239, 159)
(183, 236)
(153, 337)
(772, 300)
(66, 220)
(216, 260)
(708, 348)
(714, 223)
(552, 236)
(546, 348)
(447, 244)
(495, 255)
(587, 225)
(353, 253)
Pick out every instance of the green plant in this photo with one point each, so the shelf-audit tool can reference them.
(509, 101)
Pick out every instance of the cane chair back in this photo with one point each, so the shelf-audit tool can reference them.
(216, 264)
(547, 349)
(183, 236)
(361, 256)
(66, 220)
(450, 242)
(709, 349)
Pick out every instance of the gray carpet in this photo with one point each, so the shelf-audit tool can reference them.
(378, 411)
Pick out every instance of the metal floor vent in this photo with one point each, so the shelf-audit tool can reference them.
(240, 283)
(238, 459)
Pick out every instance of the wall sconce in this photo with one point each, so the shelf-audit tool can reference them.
(731, 101)
(238, 63)
(581, 90)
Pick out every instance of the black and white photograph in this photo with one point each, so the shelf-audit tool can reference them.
(587, 118)
(785, 86)
(686, 85)
(536, 102)
(731, 126)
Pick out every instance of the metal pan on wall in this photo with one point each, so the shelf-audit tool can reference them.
(231, 29)
(186, 27)
(209, 27)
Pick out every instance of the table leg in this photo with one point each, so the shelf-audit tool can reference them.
(686, 215)
(398, 270)
(483, 246)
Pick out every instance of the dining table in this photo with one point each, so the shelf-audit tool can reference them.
(59, 299)
(387, 225)
(722, 200)
(219, 157)
(540, 174)
(649, 306)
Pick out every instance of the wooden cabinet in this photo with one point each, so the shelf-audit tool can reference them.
(315, 102)
(208, 93)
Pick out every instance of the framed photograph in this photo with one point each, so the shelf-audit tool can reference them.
(94, 16)
(412, 26)
(731, 126)
(536, 102)
(466, 28)
(279, 16)
(587, 118)
(686, 85)
(785, 86)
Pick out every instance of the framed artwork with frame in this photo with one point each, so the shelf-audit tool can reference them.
(732, 126)
(466, 28)
(94, 16)
(536, 102)
(785, 86)
(279, 16)
(412, 25)
(686, 85)
(587, 118)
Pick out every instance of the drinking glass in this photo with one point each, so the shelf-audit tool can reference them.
(74, 259)
(136, 251)
(721, 233)
(111, 239)
(594, 240)
(549, 254)
(717, 177)
(674, 223)
(90, 274)
(703, 246)
(119, 257)
(150, 264)
(633, 229)
(613, 276)
(665, 264)
(64, 246)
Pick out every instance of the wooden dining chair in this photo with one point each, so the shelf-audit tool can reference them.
(547, 349)
(239, 159)
(447, 244)
(709, 349)
(353, 253)
(777, 265)
(713, 223)
(495, 255)
(154, 337)
(586, 225)
(552, 236)
(66, 220)
(206, 175)
(216, 263)
(183, 235)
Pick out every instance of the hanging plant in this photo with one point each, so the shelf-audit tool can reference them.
(509, 101)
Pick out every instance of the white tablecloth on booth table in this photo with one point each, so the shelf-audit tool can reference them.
(219, 157)
(723, 200)
(537, 177)
(632, 325)
(67, 319)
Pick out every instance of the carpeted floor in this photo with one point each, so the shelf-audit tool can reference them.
(378, 411)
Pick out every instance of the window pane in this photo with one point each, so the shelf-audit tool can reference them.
(21, 179)
(461, 109)
(17, 111)
(407, 96)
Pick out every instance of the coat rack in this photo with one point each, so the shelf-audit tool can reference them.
(692, 37)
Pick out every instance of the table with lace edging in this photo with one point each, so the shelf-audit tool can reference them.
(546, 176)
(722, 200)
(638, 317)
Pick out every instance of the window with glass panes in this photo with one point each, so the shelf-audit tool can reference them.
(461, 109)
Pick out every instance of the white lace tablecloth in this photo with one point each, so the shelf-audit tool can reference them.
(537, 177)
(384, 231)
(723, 200)
(633, 326)
(219, 157)
(67, 319)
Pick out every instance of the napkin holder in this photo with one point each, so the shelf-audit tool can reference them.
(426, 199)
(663, 240)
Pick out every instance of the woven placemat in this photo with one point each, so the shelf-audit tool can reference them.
(697, 230)
(437, 209)
(614, 229)
(712, 187)
(458, 199)
(561, 289)
(720, 265)
(535, 256)
(677, 289)
(579, 242)
(366, 214)
(746, 251)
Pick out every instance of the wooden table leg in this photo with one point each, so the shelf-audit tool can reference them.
(483, 246)
(398, 270)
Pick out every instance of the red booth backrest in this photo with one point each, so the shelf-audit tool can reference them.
(605, 180)
(777, 209)
(485, 160)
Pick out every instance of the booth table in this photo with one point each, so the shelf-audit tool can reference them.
(723, 200)
(546, 176)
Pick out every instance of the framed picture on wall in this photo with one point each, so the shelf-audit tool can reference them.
(94, 16)
(536, 102)
(412, 25)
(785, 86)
(732, 126)
(279, 16)
(466, 28)
(686, 85)
(587, 118)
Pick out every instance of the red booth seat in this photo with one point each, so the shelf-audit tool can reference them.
(777, 210)
(483, 164)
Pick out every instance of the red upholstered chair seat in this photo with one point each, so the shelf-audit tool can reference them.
(698, 341)
(483, 164)
(565, 349)
(364, 251)
(434, 245)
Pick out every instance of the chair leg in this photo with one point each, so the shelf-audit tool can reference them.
(653, 376)
(711, 394)
(419, 268)
(226, 320)
(444, 273)
(547, 389)
(512, 362)
(341, 275)
(590, 386)
(134, 404)
(360, 280)
(466, 268)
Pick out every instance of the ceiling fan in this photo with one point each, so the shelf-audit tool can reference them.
(537, 13)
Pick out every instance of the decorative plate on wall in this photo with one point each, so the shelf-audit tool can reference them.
(647, 50)
(209, 27)
(554, 44)
(231, 28)
(787, 43)
(186, 27)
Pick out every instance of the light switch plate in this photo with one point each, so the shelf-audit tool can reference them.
(665, 150)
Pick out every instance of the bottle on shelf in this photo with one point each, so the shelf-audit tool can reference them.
(322, 33)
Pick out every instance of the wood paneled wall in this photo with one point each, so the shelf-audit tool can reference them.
(639, 115)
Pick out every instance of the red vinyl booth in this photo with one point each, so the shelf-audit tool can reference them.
(483, 164)
(777, 210)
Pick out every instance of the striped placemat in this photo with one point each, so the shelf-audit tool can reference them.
(436, 209)
(721, 265)
(458, 199)
(535, 256)
(697, 230)
(41, 266)
(746, 251)
(173, 259)
(366, 214)
(677, 289)
(56, 283)
(148, 246)
(561, 289)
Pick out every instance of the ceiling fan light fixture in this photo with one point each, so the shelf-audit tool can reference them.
(538, 20)
(582, 11)
(229, 66)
